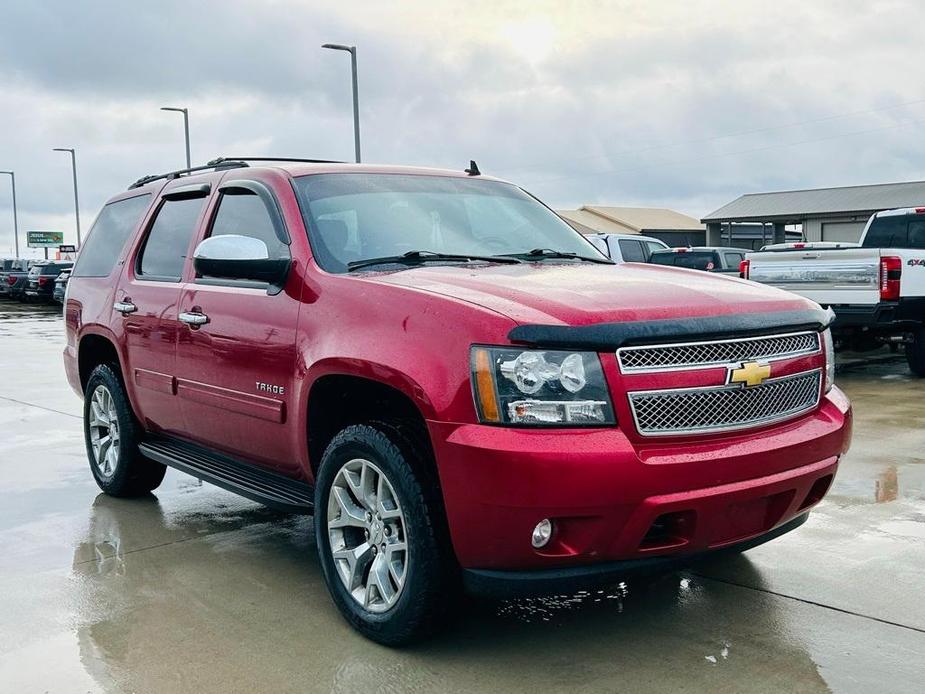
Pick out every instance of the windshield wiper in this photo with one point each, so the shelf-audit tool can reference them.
(541, 253)
(417, 257)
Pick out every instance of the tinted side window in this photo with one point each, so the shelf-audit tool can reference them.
(917, 234)
(165, 248)
(651, 246)
(631, 250)
(733, 259)
(108, 235)
(887, 232)
(246, 215)
(662, 258)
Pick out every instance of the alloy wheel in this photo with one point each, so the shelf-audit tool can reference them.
(104, 431)
(366, 532)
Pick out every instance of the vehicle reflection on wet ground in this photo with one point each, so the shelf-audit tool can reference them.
(194, 589)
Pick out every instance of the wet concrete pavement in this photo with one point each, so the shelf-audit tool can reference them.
(195, 589)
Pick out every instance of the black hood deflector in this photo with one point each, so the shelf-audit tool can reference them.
(610, 336)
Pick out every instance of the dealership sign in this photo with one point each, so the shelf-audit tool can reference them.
(44, 239)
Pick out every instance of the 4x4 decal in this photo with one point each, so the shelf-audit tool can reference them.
(916, 261)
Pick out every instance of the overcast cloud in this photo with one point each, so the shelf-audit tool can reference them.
(684, 105)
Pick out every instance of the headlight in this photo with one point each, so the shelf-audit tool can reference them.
(540, 388)
(829, 359)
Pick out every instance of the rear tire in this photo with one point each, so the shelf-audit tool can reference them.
(413, 593)
(112, 435)
(915, 353)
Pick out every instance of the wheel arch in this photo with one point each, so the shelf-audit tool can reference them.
(98, 346)
(337, 397)
(95, 348)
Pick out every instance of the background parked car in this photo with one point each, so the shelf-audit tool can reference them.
(709, 258)
(61, 286)
(13, 277)
(626, 248)
(40, 284)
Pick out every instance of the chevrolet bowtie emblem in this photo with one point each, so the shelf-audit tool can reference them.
(749, 373)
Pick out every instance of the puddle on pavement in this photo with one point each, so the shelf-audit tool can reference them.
(557, 607)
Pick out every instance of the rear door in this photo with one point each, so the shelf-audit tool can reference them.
(236, 371)
(146, 302)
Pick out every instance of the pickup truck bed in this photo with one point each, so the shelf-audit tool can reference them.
(876, 289)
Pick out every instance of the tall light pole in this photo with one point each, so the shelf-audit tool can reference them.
(352, 50)
(15, 220)
(185, 113)
(76, 201)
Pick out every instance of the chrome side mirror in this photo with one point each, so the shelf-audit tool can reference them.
(236, 257)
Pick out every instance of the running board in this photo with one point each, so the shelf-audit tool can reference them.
(251, 481)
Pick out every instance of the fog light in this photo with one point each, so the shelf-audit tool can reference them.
(542, 532)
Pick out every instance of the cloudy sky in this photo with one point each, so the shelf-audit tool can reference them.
(671, 104)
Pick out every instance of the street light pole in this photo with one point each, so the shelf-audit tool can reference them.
(15, 219)
(352, 50)
(76, 200)
(185, 113)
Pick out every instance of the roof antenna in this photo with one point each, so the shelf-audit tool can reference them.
(473, 169)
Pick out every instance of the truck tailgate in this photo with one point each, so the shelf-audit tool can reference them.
(833, 276)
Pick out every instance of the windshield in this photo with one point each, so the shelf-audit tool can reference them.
(354, 217)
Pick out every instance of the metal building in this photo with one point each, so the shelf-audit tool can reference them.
(674, 228)
(825, 214)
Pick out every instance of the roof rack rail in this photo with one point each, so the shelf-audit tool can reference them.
(215, 164)
(290, 159)
(220, 163)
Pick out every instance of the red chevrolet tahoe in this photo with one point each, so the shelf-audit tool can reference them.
(457, 385)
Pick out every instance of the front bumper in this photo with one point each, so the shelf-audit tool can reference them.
(519, 584)
(615, 500)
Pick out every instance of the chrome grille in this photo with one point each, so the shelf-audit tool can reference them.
(724, 408)
(700, 354)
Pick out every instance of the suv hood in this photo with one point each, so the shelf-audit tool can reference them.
(583, 293)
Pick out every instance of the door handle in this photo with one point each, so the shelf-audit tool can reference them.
(124, 307)
(194, 319)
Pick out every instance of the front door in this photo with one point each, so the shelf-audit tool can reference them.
(148, 299)
(236, 355)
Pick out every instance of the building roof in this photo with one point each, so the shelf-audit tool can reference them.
(592, 222)
(579, 227)
(798, 204)
(630, 220)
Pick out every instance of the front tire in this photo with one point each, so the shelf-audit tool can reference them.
(915, 353)
(378, 530)
(112, 435)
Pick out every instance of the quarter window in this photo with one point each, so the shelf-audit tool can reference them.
(108, 235)
(168, 241)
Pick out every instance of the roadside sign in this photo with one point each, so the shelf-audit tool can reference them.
(44, 239)
(67, 248)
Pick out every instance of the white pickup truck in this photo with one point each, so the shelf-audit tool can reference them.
(876, 288)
